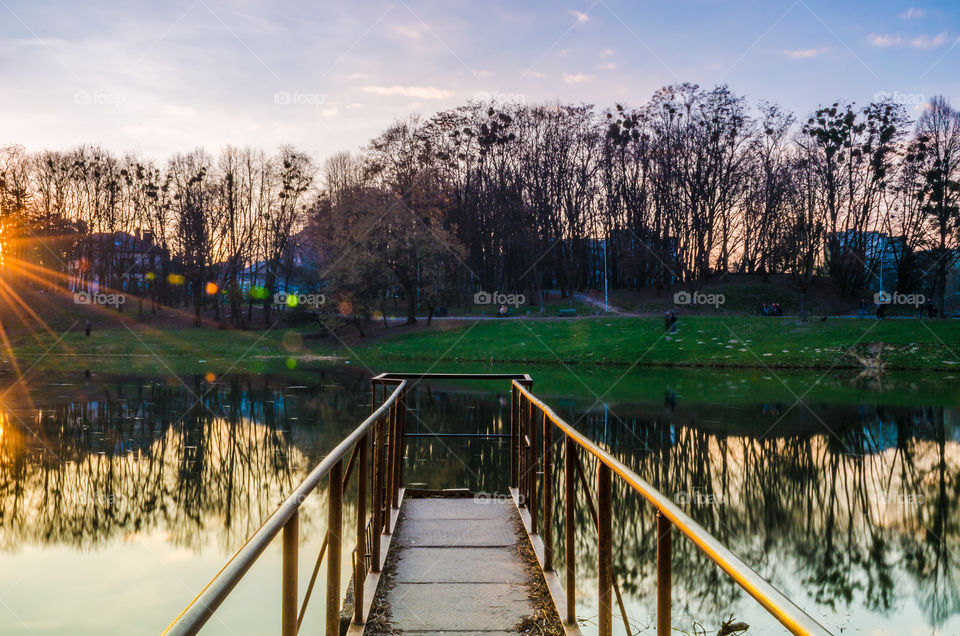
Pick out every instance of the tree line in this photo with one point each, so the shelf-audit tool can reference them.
(693, 184)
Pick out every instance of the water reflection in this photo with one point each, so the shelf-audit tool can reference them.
(177, 469)
(851, 510)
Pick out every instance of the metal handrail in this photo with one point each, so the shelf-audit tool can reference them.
(383, 462)
(196, 614)
(771, 599)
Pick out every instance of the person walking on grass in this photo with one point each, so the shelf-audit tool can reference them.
(87, 327)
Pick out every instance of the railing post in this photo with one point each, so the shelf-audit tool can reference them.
(570, 483)
(389, 471)
(401, 432)
(532, 470)
(291, 543)
(664, 574)
(394, 454)
(361, 573)
(378, 528)
(334, 529)
(513, 435)
(604, 550)
(547, 493)
(522, 449)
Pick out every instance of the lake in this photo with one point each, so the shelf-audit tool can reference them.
(120, 497)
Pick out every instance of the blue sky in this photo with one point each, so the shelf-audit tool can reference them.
(155, 78)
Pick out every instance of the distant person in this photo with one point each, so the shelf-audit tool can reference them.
(931, 308)
(863, 307)
(669, 321)
(764, 310)
(881, 311)
(87, 327)
(670, 399)
(502, 311)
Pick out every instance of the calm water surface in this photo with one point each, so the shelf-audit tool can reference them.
(120, 498)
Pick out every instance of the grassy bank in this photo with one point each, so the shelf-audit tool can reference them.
(148, 350)
(709, 341)
(699, 341)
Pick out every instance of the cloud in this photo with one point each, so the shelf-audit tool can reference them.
(359, 76)
(927, 42)
(536, 74)
(330, 112)
(410, 32)
(913, 12)
(609, 66)
(606, 53)
(576, 78)
(419, 92)
(885, 39)
(579, 15)
(803, 54)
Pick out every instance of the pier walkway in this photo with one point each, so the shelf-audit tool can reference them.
(468, 565)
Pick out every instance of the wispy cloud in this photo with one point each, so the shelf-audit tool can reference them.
(579, 15)
(885, 39)
(419, 92)
(576, 78)
(912, 13)
(928, 42)
(606, 53)
(410, 32)
(803, 54)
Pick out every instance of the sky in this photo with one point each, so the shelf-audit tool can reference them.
(156, 78)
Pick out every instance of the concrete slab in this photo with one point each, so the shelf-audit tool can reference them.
(457, 568)
(460, 565)
(481, 607)
(459, 509)
(456, 533)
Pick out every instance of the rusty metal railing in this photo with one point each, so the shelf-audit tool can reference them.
(378, 460)
(376, 447)
(533, 465)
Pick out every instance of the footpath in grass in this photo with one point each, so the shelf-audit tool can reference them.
(714, 341)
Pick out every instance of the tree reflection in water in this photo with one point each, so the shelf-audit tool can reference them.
(134, 457)
(851, 511)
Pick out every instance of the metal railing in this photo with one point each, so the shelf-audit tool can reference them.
(378, 460)
(376, 447)
(530, 463)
